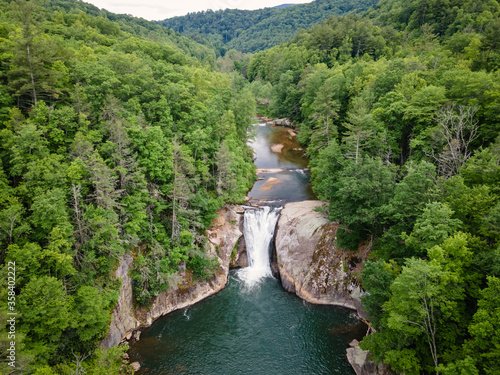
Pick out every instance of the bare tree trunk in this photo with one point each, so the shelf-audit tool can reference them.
(32, 76)
(430, 330)
(149, 211)
(357, 148)
(327, 130)
(174, 196)
(458, 129)
(430, 326)
(75, 189)
(174, 218)
(79, 359)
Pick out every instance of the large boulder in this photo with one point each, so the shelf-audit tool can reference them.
(136, 366)
(282, 122)
(309, 262)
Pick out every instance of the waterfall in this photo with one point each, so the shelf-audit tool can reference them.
(258, 229)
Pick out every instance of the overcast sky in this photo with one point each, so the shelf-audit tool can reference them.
(155, 10)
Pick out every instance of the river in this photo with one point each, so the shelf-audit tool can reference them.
(253, 326)
(291, 162)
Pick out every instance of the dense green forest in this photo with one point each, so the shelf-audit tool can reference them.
(116, 136)
(136, 26)
(400, 110)
(119, 135)
(257, 30)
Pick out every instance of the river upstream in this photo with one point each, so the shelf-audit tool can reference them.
(253, 326)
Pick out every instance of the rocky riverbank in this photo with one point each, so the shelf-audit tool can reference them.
(309, 262)
(312, 266)
(362, 363)
(223, 236)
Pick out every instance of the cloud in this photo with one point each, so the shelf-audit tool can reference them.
(155, 10)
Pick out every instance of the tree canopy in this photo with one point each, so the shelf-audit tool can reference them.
(117, 136)
(257, 30)
(398, 108)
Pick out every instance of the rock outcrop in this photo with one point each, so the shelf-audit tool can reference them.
(362, 363)
(136, 366)
(277, 148)
(282, 122)
(223, 236)
(239, 258)
(123, 320)
(309, 262)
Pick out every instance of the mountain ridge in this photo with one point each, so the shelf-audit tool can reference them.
(257, 30)
(285, 5)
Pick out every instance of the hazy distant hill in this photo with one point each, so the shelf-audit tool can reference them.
(256, 30)
(284, 6)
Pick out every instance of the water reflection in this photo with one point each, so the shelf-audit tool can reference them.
(239, 331)
(282, 173)
(291, 155)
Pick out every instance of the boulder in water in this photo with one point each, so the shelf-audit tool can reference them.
(282, 122)
(269, 184)
(277, 148)
(136, 366)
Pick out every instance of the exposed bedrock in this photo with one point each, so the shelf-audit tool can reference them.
(223, 236)
(362, 364)
(123, 320)
(309, 262)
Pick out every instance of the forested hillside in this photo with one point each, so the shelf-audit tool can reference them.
(114, 138)
(117, 135)
(257, 30)
(400, 112)
(135, 26)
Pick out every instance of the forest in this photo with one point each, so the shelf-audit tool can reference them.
(120, 135)
(400, 110)
(256, 30)
(116, 136)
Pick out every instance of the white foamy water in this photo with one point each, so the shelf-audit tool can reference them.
(258, 229)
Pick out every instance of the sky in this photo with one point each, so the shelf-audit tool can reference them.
(156, 10)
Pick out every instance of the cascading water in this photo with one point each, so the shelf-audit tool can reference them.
(258, 229)
(252, 326)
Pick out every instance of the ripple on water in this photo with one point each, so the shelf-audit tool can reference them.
(238, 332)
(254, 328)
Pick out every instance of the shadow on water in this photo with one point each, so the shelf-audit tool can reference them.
(249, 330)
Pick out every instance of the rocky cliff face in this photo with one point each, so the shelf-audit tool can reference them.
(223, 236)
(123, 319)
(309, 262)
(312, 266)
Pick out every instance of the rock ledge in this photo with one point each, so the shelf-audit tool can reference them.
(223, 236)
(309, 262)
